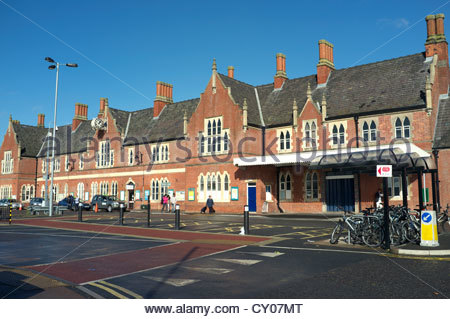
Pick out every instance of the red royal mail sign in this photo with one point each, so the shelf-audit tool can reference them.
(384, 170)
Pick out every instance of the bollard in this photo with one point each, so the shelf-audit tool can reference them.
(122, 206)
(177, 217)
(10, 214)
(80, 213)
(246, 221)
(148, 211)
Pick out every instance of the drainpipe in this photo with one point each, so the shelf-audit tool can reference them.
(438, 196)
(356, 119)
(263, 133)
(35, 178)
(278, 191)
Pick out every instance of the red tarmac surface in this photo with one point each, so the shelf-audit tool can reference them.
(186, 246)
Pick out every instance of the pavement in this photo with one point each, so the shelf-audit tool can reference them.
(63, 280)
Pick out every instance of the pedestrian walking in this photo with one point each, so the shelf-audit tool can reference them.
(210, 204)
(173, 202)
(77, 203)
(165, 203)
(379, 199)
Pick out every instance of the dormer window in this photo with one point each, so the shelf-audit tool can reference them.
(402, 128)
(160, 153)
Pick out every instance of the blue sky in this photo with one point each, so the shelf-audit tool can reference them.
(124, 47)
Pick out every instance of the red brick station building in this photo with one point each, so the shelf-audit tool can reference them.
(308, 144)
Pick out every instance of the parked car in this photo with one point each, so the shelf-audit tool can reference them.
(108, 203)
(36, 201)
(6, 202)
(67, 202)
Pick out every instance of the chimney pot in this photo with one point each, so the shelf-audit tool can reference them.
(231, 72)
(41, 120)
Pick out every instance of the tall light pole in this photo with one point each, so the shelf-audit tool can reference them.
(55, 65)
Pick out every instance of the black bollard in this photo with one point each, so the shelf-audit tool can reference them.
(177, 217)
(246, 221)
(148, 211)
(122, 206)
(80, 213)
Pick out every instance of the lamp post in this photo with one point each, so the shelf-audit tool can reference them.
(55, 65)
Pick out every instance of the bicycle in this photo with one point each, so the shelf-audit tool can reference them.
(353, 225)
(443, 220)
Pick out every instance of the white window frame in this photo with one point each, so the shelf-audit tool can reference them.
(309, 186)
(284, 140)
(212, 139)
(81, 161)
(105, 155)
(310, 136)
(7, 163)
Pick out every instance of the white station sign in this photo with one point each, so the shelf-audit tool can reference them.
(384, 170)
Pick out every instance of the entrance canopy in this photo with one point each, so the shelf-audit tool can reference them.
(398, 155)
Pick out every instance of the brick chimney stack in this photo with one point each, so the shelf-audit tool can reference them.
(81, 111)
(41, 120)
(164, 93)
(103, 102)
(231, 72)
(437, 44)
(281, 75)
(326, 63)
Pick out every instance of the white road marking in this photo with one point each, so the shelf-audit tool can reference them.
(246, 262)
(263, 254)
(214, 271)
(173, 281)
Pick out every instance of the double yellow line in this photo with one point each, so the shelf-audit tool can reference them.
(107, 286)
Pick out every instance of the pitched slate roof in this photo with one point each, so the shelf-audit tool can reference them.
(168, 126)
(67, 141)
(30, 138)
(241, 90)
(120, 117)
(442, 133)
(384, 86)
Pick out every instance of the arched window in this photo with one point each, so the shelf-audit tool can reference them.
(219, 127)
(202, 184)
(225, 142)
(167, 153)
(202, 144)
(153, 190)
(282, 187)
(219, 183)
(208, 183)
(365, 132)
(406, 128)
(373, 131)
(398, 128)
(214, 128)
(335, 136)
(130, 157)
(156, 190)
(288, 187)
(226, 183)
(288, 140)
(312, 186)
(313, 134)
(213, 183)
(281, 141)
(209, 127)
(31, 191)
(24, 190)
(308, 133)
(341, 134)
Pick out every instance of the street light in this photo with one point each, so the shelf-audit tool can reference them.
(55, 65)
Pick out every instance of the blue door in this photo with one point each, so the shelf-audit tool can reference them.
(340, 194)
(251, 197)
